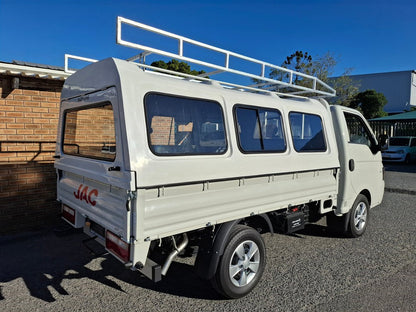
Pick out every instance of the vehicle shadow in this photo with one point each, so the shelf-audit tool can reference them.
(397, 167)
(318, 230)
(181, 280)
(44, 260)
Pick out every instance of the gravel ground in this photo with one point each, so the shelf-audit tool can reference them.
(400, 178)
(309, 271)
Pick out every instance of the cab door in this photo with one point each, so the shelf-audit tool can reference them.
(360, 159)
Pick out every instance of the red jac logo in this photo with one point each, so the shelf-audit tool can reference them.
(84, 194)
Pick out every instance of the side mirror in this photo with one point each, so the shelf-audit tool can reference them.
(382, 142)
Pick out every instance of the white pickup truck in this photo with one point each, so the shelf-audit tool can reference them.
(400, 149)
(153, 165)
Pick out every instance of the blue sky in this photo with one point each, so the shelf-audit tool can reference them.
(368, 36)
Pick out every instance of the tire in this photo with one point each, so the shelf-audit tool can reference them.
(407, 160)
(359, 217)
(242, 263)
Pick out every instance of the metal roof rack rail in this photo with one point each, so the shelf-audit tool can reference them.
(263, 83)
(287, 83)
(79, 58)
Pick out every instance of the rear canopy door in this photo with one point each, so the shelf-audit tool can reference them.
(93, 173)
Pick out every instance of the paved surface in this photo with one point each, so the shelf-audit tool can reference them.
(310, 271)
(401, 178)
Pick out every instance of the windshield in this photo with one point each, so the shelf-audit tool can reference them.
(399, 141)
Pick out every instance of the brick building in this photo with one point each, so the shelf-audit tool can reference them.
(29, 109)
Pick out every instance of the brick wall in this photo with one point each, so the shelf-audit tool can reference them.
(163, 131)
(28, 124)
(90, 133)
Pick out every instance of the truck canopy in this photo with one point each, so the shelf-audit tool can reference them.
(138, 89)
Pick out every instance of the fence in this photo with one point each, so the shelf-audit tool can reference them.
(394, 128)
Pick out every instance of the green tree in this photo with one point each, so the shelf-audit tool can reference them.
(298, 61)
(175, 65)
(370, 103)
(322, 68)
(345, 87)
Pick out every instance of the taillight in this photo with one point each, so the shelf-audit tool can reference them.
(68, 214)
(117, 246)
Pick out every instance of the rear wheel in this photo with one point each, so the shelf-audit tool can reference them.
(359, 217)
(242, 263)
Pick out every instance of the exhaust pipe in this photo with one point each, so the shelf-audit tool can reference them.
(174, 253)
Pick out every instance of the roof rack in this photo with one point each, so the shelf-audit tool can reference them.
(75, 57)
(287, 82)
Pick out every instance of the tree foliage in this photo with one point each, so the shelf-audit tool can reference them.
(298, 61)
(175, 65)
(370, 103)
(322, 67)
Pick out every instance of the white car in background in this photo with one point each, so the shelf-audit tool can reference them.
(400, 149)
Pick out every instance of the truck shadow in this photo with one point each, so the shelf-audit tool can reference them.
(180, 281)
(43, 261)
(318, 230)
(397, 167)
(40, 261)
(48, 260)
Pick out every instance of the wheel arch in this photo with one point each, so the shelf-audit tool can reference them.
(356, 218)
(367, 194)
(211, 251)
(346, 220)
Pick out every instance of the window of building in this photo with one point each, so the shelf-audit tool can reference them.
(184, 126)
(90, 132)
(259, 129)
(307, 132)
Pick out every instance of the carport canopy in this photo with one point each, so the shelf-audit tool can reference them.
(409, 116)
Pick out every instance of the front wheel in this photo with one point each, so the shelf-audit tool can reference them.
(359, 217)
(242, 263)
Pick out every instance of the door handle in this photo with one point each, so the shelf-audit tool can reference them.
(351, 165)
(116, 168)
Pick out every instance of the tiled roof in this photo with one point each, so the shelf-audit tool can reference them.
(26, 69)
